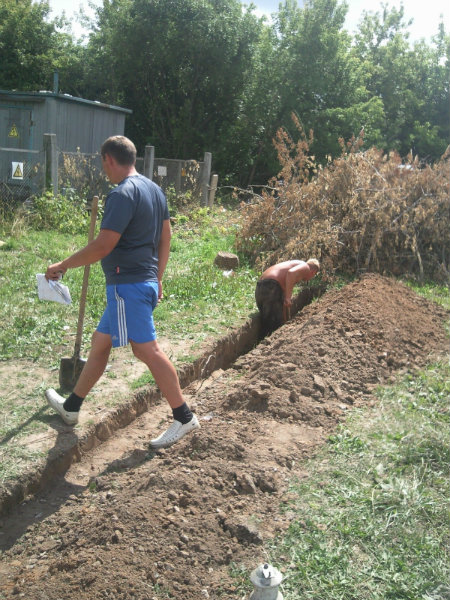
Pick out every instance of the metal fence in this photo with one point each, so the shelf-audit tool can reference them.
(182, 175)
(22, 175)
(81, 174)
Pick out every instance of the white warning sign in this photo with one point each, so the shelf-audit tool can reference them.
(162, 171)
(17, 170)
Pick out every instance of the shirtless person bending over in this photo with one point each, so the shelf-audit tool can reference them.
(274, 290)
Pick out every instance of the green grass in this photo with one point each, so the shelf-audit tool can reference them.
(21, 416)
(199, 301)
(30, 328)
(145, 379)
(436, 293)
(372, 519)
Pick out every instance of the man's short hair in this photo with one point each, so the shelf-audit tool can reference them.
(313, 262)
(121, 149)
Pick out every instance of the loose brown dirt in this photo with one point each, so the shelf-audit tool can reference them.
(126, 524)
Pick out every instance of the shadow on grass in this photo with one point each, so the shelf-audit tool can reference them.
(39, 415)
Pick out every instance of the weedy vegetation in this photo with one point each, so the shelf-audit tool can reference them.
(363, 211)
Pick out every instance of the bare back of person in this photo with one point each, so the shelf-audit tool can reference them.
(279, 271)
(273, 292)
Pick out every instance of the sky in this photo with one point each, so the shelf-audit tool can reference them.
(425, 13)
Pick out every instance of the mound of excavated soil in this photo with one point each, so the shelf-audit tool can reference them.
(172, 522)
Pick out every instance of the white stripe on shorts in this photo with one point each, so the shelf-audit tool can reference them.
(121, 320)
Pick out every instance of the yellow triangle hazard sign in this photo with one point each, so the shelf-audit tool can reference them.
(18, 173)
(13, 132)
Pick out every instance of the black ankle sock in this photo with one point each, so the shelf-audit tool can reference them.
(73, 403)
(182, 413)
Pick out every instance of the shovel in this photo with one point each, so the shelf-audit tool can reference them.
(70, 368)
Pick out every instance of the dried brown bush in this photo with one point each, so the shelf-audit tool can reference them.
(82, 175)
(364, 211)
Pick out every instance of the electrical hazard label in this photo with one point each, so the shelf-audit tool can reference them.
(13, 132)
(17, 170)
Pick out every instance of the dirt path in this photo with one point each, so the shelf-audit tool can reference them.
(128, 524)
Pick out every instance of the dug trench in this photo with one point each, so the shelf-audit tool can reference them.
(69, 447)
(122, 522)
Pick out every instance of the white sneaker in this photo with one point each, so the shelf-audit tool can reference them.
(174, 433)
(56, 402)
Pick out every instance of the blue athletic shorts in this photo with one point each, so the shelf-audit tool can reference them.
(129, 313)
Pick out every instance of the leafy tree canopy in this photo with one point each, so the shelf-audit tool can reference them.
(179, 64)
(30, 44)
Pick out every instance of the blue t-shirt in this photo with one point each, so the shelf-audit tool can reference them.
(136, 209)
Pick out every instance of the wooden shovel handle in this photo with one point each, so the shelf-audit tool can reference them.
(94, 211)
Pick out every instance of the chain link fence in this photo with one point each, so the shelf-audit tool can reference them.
(184, 176)
(22, 175)
(82, 175)
(27, 173)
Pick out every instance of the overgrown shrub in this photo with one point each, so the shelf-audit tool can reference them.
(59, 213)
(180, 203)
(363, 211)
(81, 175)
(185, 196)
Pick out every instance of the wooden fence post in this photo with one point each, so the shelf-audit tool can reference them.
(51, 162)
(205, 178)
(149, 161)
(212, 190)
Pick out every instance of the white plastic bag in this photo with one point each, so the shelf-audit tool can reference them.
(52, 290)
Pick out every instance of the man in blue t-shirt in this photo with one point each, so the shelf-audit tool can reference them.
(133, 245)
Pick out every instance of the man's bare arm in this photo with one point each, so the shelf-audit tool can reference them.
(100, 247)
(163, 252)
(294, 275)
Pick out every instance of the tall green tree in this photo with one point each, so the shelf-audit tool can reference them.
(247, 152)
(324, 86)
(178, 64)
(396, 93)
(411, 82)
(31, 44)
(302, 65)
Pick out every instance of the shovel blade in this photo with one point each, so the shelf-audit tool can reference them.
(69, 371)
